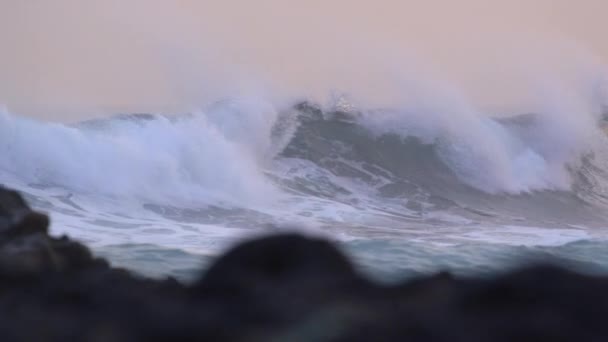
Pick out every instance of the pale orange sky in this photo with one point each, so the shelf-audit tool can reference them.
(65, 58)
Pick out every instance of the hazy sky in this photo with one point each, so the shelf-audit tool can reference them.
(61, 57)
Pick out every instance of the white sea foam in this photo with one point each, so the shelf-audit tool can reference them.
(494, 157)
(192, 159)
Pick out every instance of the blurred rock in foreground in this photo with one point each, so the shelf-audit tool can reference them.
(279, 288)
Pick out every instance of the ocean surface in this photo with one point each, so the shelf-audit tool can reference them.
(404, 191)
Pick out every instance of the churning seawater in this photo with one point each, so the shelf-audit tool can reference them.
(405, 191)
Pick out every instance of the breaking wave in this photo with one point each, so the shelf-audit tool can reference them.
(250, 154)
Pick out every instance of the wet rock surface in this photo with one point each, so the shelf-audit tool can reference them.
(278, 288)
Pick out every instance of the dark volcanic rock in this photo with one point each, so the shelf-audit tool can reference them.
(26, 248)
(279, 288)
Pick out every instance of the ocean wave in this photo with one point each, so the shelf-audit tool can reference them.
(507, 155)
(247, 152)
(151, 157)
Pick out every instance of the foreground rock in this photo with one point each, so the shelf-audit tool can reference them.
(280, 288)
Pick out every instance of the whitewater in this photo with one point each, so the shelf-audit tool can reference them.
(432, 184)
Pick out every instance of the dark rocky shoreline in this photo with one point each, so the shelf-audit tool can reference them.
(279, 288)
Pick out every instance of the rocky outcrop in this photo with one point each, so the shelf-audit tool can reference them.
(26, 248)
(278, 288)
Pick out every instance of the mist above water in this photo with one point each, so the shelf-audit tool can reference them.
(68, 60)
